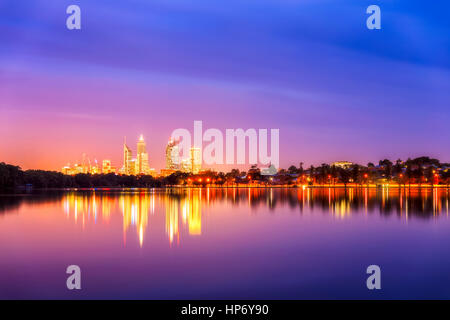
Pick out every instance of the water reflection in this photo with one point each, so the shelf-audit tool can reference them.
(136, 207)
(183, 207)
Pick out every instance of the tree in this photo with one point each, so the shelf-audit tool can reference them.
(311, 174)
(10, 176)
(300, 168)
(418, 174)
(397, 169)
(344, 176)
(255, 172)
(388, 170)
(292, 169)
(446, 177)
(409, 172)
(429, 174)
(355, 173)
(83, 180)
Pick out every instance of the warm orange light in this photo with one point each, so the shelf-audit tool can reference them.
(207, 180)
(199, 179)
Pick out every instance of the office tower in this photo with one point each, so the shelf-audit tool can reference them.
(342, 164)
(128, 167)
(172, 155)
(186, 165)
(133, 166)
(196, 160)
(142, 157)
(84, 164)
(94, 169)
(107, 167)
(67, 170)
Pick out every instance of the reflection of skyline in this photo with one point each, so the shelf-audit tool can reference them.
(189, 206)
(136, 207)
(183, 207)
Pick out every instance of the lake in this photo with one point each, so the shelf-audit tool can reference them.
(230, 243)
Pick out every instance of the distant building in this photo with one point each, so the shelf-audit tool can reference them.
(107, 167)
(342, 164)
(138, 165)
(142, 157)
(128, 166)
(66, 170)
(133, 167)
(196, 160)
(186, 165)
(85, 164)
(172, 155)
(94, 169)
(76, 169)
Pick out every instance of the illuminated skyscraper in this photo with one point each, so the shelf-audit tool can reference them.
(84, 164)
(196, 160)
(94, 169)
(67, 170)
(186, 165)
(142, 157)
(172, 155)
(128, 166)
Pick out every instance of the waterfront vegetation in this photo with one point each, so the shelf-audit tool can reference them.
(422, 172)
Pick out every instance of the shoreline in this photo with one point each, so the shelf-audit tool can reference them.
(241, 186)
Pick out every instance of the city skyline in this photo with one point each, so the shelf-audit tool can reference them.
(140, 164)
(173, 162)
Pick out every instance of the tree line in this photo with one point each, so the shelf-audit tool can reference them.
(417, 171)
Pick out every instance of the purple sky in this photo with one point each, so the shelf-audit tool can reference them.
(336, 90)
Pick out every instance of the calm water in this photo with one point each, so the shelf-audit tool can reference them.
(226, 243)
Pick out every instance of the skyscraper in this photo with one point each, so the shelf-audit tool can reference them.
(196, 160)
(128, 166)
(186, 165)
(142, 157)
(84, 164)
(172, 155)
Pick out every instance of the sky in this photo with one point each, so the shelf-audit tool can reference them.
(310, 68)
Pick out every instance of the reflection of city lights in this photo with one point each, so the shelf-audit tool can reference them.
(183, 208)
